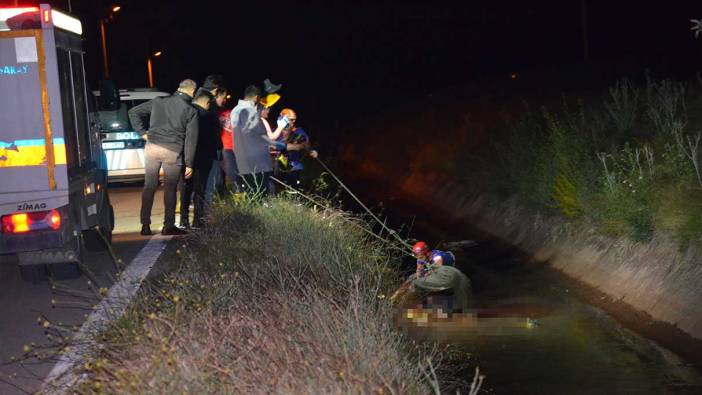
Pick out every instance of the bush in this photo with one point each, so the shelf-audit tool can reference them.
(545, 160)
(628, 195)
(614, 166)
(665, 107)
(623, 106)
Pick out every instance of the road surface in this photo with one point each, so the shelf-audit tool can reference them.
(21, 303)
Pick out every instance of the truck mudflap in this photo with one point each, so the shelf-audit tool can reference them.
(57, 255)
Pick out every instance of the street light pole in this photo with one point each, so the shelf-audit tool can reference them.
(105, 67)
(103, 39)
(151, 72)
(150, 67)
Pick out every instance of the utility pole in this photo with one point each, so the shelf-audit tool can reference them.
(583, 21)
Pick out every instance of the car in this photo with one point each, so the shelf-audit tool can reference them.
(124, 147)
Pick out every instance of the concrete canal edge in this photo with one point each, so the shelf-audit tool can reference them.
(655, 278)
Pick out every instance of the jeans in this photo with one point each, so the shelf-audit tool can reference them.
(230, 169)
(157, 157)
(215, 181)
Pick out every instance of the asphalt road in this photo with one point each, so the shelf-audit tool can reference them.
(21, 303)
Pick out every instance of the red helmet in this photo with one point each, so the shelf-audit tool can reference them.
(420, 248)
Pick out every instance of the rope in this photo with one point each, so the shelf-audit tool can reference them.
(390, 231)
(311, 199)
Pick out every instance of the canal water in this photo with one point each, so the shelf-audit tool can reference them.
(528, 332)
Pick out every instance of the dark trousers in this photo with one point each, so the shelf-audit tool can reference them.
(291, 178)
(194, 190)
(157, 157)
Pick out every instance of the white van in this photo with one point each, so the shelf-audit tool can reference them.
(124, 147)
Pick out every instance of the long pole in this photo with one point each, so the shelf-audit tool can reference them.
(106, 69)
(149, 67)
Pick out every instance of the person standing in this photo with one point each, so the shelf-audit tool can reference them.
(171, 139)
(251, 143)
(215, 182)
(205, 154)
(215, 85)
(228, 157)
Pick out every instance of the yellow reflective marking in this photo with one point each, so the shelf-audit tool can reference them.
(31, 156)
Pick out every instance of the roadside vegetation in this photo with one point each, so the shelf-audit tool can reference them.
(629, 165)
(624, 161)
(269, 298)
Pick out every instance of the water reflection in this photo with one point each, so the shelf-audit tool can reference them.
(554, 345)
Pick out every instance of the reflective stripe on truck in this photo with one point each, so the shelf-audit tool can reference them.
(30, 152)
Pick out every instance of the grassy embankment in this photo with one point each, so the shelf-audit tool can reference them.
(625, 162)
(629, 167)
(274, 298)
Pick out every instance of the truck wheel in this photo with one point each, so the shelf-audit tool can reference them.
(93, 241)
(33, 273)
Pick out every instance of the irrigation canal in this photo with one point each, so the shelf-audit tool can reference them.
(536, 332)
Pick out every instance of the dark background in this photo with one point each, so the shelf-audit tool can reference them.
(341, 59)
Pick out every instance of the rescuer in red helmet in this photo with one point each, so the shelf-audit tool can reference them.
(427, 258)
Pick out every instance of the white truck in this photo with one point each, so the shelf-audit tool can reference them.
(53, 181)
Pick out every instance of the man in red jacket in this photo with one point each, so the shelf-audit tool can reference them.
(227, 136)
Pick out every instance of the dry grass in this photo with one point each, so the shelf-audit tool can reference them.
(274, 298)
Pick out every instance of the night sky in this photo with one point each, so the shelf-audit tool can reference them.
(338, 59)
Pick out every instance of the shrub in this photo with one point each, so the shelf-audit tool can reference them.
(665, 106)
(628, 194)
(623, 106)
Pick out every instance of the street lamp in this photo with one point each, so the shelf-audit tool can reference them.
(106, 68)
(150, 68)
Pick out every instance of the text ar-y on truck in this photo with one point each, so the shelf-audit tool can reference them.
(53, 182)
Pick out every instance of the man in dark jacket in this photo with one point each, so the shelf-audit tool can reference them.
(171, 139)
(205, 157)
(214, 84)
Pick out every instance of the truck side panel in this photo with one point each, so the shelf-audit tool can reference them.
(27, 112)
